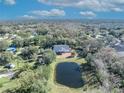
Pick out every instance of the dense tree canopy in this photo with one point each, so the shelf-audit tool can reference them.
(32, 81)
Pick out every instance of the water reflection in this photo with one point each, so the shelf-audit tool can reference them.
(68, 74)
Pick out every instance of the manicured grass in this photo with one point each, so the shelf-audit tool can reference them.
(7, 84)
(3, 81)
(58, 88)
(76, 60)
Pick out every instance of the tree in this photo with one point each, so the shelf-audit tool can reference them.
(5, 58)
(32, 82)
(46, 57)
(42, 31)
(103, 62)
(28, 52)
(17, 42)
(3, 45)
(89, 46)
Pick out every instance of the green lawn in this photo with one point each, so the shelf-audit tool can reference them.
(3, 81)
(76, 60)
(6, 83)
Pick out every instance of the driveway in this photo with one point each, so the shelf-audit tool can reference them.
(6, 74)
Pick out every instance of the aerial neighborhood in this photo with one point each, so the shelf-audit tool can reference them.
(61, 46)
(51, 56)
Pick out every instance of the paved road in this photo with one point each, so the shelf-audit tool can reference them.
(7, 74)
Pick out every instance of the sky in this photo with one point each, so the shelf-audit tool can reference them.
(61, 9)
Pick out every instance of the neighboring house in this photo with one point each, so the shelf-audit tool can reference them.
(119, 48)
(13, 37)
(11, 49)
(62, 50)
(9, 66)
(1, 38)
(99, 36)
(34, 33)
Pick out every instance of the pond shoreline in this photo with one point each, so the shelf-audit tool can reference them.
(59, 88)
(69, 74)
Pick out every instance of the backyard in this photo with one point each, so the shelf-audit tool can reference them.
(58, 88)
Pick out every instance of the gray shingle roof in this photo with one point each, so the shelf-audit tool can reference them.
(119, 48)
(61, 48)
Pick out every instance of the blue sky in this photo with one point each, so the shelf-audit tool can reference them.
(61, 9)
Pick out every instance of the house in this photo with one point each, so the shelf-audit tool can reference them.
(9, 66)
(13, 37)
(119, 48)
(62, 50)
(99, 36)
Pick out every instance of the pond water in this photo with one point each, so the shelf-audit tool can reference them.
(68, 74)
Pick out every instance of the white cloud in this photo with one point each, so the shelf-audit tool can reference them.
(60, 2)
(116, 9)
(117, 1)
(45, 13)
(95, 5)
(88, 14)
(36, 14)
(9, 2)
(28, 17)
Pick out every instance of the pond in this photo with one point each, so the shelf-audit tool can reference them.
(68, 74)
